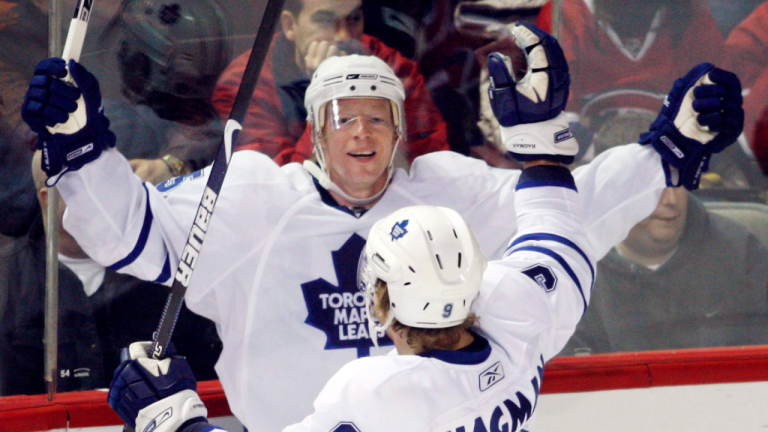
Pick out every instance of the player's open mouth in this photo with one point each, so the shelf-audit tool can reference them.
(363, 155)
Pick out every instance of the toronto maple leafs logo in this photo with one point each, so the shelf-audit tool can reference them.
(398, 230)
(339, 311)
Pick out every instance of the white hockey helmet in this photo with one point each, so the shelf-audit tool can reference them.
(431, 262)
(351, 76)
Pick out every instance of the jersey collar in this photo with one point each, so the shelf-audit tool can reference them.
(328, 200)
(475, 353)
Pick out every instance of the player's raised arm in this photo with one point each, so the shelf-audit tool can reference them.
(701, 116)
(118, 221)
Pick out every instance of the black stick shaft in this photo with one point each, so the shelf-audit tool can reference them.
(215, 180)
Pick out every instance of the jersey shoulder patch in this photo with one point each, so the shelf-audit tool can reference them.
(542, 275)
(345, 427)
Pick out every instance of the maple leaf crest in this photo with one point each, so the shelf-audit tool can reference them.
(339, 311)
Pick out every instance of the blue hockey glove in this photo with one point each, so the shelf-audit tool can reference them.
(530, 112)
(155, 395)
(702, 115)
(50, 101)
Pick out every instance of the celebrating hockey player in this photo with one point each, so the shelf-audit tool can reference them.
(277, 273)
(424, 272)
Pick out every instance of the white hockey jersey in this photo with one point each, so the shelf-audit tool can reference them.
(528, 307)
(277, 271)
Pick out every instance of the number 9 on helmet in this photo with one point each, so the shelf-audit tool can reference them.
(431, 263)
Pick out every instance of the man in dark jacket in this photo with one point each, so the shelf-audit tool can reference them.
(683, 278)
(97, 309)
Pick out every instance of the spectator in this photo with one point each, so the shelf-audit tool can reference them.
(631, 45)
(747, 46)
(683, 278)
(110, 301)
(492, 21)
(429, 33)
(169, 56)
(756, 121)
(728, 14)
(22, 328)
(97, 310)
(311, 31)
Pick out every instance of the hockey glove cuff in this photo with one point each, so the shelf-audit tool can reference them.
(549, 139)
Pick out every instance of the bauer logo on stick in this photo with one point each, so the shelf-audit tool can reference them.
(196, 237)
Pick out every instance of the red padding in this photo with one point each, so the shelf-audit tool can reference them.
(656, 368)
(39, 418)
(562, 375)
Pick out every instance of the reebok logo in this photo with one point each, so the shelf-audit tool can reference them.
(79, 152)
(159, 419)
(672, 147)
(362, 76)
(491, 376)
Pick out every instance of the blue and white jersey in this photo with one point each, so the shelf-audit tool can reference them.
(277, 270)
(529, 304)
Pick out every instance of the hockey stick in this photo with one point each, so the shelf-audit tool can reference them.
(72, 49)
(219, 169)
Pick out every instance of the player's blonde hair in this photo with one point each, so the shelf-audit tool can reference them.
(420, 339)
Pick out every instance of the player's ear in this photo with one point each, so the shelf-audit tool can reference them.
(289, 24)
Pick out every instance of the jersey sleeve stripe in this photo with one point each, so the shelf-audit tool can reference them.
(142, 240)
(558, 239)
(546, 175)
(544, 183)
(166, 272)
(560, 260)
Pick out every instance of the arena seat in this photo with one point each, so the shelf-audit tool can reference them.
(753, 216)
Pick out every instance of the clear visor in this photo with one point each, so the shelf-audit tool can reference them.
(353, 115)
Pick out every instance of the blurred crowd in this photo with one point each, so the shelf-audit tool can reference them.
(693, 274)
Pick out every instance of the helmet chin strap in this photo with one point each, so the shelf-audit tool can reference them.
(322, 176)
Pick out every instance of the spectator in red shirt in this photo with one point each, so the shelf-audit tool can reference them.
(313, 30)
(747, 47)
(633, 44)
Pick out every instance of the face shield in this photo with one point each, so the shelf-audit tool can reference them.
(376, 118)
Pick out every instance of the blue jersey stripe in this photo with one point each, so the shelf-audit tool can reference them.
(166, 273)
(543, 183)
(558, 239)
(142, 240)
(560, 260)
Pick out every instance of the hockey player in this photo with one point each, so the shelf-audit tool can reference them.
(425, 274)
(276, 275)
